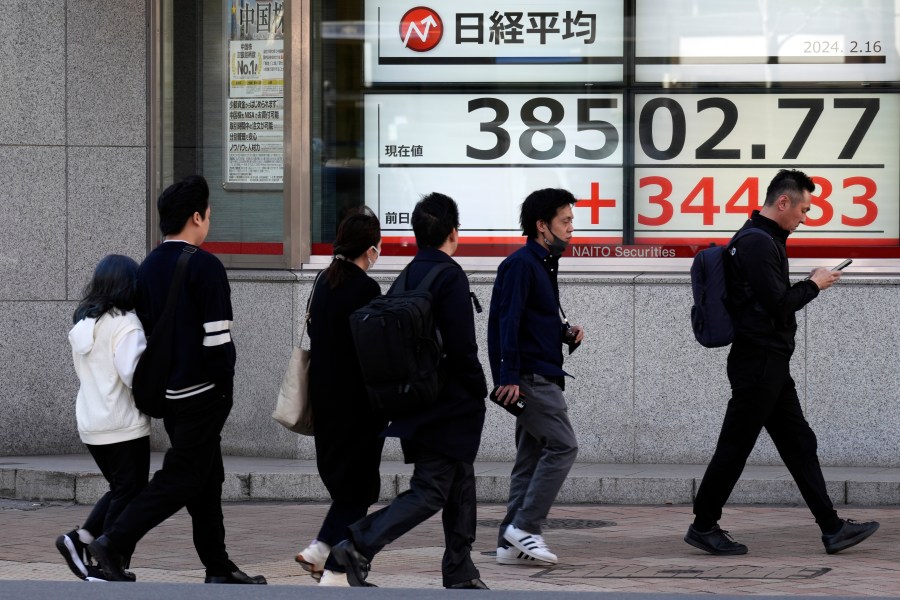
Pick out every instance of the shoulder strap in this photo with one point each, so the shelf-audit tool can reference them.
(748, 231)
(308, 304)
(400, 283)
(432, 275)
(180, 268)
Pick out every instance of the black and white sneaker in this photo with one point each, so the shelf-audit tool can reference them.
(507, 555)
(75, 552)
(95, 574)
(531, 544)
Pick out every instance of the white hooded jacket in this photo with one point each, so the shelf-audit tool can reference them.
(105, 352)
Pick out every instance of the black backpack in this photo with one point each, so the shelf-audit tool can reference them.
(151, 375)
(710, 320)
(399, 348)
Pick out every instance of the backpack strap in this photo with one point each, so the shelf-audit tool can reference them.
(432, 275)
(749, 230)
(400, 283)
(175, 287)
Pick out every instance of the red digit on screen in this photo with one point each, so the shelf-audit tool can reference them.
(707, 206)
(821, 201)
(662, 199)
(750, 187)
(870, 189)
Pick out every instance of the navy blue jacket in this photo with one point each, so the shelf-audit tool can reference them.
(524, 326)
(453, 426)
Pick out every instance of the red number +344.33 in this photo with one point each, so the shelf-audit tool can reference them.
(701, 200)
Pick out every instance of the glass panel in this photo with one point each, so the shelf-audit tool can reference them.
(222, 104)
(665, 118)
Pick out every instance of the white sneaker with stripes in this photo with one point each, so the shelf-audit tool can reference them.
(531, 544)
(508, 555)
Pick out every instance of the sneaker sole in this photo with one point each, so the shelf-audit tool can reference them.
(68, 551)
(521, 548)
(309, 567)
(713, 551)
(528, 562)
(851, 542)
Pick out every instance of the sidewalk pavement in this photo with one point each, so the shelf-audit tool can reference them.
(603, 546)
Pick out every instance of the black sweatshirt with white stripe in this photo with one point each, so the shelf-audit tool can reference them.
(203, 353)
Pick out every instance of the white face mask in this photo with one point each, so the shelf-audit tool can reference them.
(371, 261)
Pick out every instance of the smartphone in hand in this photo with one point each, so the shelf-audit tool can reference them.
(514, 408)
(843, 264)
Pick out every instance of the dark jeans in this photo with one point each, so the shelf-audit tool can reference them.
(126, 466)
(763, 396)
(191, 477)
(438, 482)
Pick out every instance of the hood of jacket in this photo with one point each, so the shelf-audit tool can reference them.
(81, 336)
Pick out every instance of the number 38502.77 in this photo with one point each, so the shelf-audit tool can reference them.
(702, 199)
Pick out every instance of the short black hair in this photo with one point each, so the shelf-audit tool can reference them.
(791, 183)
(113, 286)
(433, 219)
(180, 201)
(542, 205)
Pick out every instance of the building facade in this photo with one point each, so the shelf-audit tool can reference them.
(665, 119)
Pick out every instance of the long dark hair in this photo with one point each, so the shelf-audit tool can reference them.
(113, 286)
(355, 235)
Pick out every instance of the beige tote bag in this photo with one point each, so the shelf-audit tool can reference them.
(293, 408)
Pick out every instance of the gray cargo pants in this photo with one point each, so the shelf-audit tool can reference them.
(546, 451)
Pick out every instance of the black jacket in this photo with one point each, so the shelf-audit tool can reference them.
(203, 350)
(453, 426)
(336, 385)
(761, 300)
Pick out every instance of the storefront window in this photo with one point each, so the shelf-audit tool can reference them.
(221, 109)
(666, 119)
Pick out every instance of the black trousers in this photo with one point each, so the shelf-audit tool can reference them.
(438, 482)
(126, 466)
(763, 396)
(348, 457)
(191, 477)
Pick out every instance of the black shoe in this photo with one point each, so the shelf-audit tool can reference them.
(715, 541)
(850, 534)
(75, 552)
(95, 573)
(356, 565)
(474, 584)
(112, 563)
(236, 577)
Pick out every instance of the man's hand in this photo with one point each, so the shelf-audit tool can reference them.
(579, 333)
(508, 394)
(824, 278)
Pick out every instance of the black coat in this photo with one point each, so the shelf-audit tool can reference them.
(348, 431)
(453, 426)
(761, 300)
